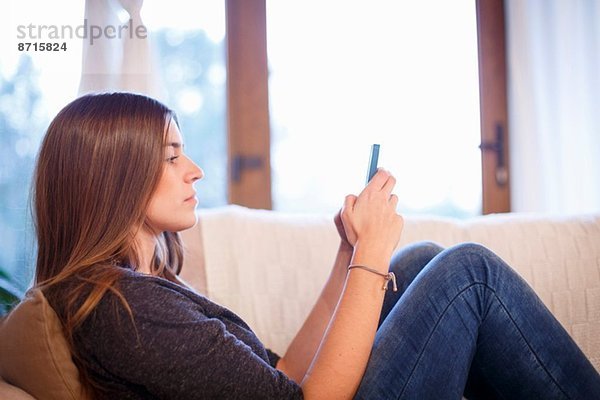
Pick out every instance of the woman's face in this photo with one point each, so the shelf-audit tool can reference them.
(172, 206)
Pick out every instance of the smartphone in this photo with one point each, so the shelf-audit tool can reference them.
(374, 157)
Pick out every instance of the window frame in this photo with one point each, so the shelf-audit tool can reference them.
(248, 126)
(248, 105)
(493, 106)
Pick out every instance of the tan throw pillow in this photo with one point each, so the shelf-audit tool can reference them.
(10, 392)
(34, 354)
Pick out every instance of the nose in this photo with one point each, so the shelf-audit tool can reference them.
(195, 172)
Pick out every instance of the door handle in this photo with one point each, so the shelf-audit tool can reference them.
(241, 163)
(497, 146)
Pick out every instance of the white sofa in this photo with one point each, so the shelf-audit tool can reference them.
(269, 267)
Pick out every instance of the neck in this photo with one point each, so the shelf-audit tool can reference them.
(145, 243)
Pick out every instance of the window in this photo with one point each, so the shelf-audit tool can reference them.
(344, 75)
(34, 86)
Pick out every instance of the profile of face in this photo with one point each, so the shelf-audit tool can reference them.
(172, 205)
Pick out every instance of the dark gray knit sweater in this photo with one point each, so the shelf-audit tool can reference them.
(183, 346)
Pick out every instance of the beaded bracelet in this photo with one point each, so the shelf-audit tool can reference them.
(390, 276)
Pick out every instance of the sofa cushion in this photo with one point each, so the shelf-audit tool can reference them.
(34, 354)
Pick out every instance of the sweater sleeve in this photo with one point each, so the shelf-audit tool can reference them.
(273, 357)
(175, 351)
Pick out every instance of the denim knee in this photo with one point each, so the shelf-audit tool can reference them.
(422, 250)
(471, 248)
(477, 259)
(429, 247)
(412, 258)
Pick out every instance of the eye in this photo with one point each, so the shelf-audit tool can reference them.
(171, 160)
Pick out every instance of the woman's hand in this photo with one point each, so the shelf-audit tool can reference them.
(348, 240)
(370, 219)
(370, 223)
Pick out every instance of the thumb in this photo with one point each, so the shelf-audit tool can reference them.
(349, 202)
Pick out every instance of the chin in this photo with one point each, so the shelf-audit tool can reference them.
(185, 225)
(181, 223)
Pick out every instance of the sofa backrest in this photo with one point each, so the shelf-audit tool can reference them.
(269, 267)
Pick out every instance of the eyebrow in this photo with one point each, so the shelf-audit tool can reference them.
(175, 145)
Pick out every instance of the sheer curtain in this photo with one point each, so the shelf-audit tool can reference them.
(118, 61)
(554, 105)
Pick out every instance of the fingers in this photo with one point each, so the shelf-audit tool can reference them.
(383, 181)
(379, 179)
(349, 202)
(394, 200)
(389, 185)
(348, 207)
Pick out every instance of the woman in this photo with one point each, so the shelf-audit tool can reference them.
(113, 187)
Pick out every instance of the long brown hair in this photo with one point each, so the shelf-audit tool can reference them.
(98, 165)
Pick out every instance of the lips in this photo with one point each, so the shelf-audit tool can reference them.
(191, 197)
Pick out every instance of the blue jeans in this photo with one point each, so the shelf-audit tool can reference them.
(463, 323)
